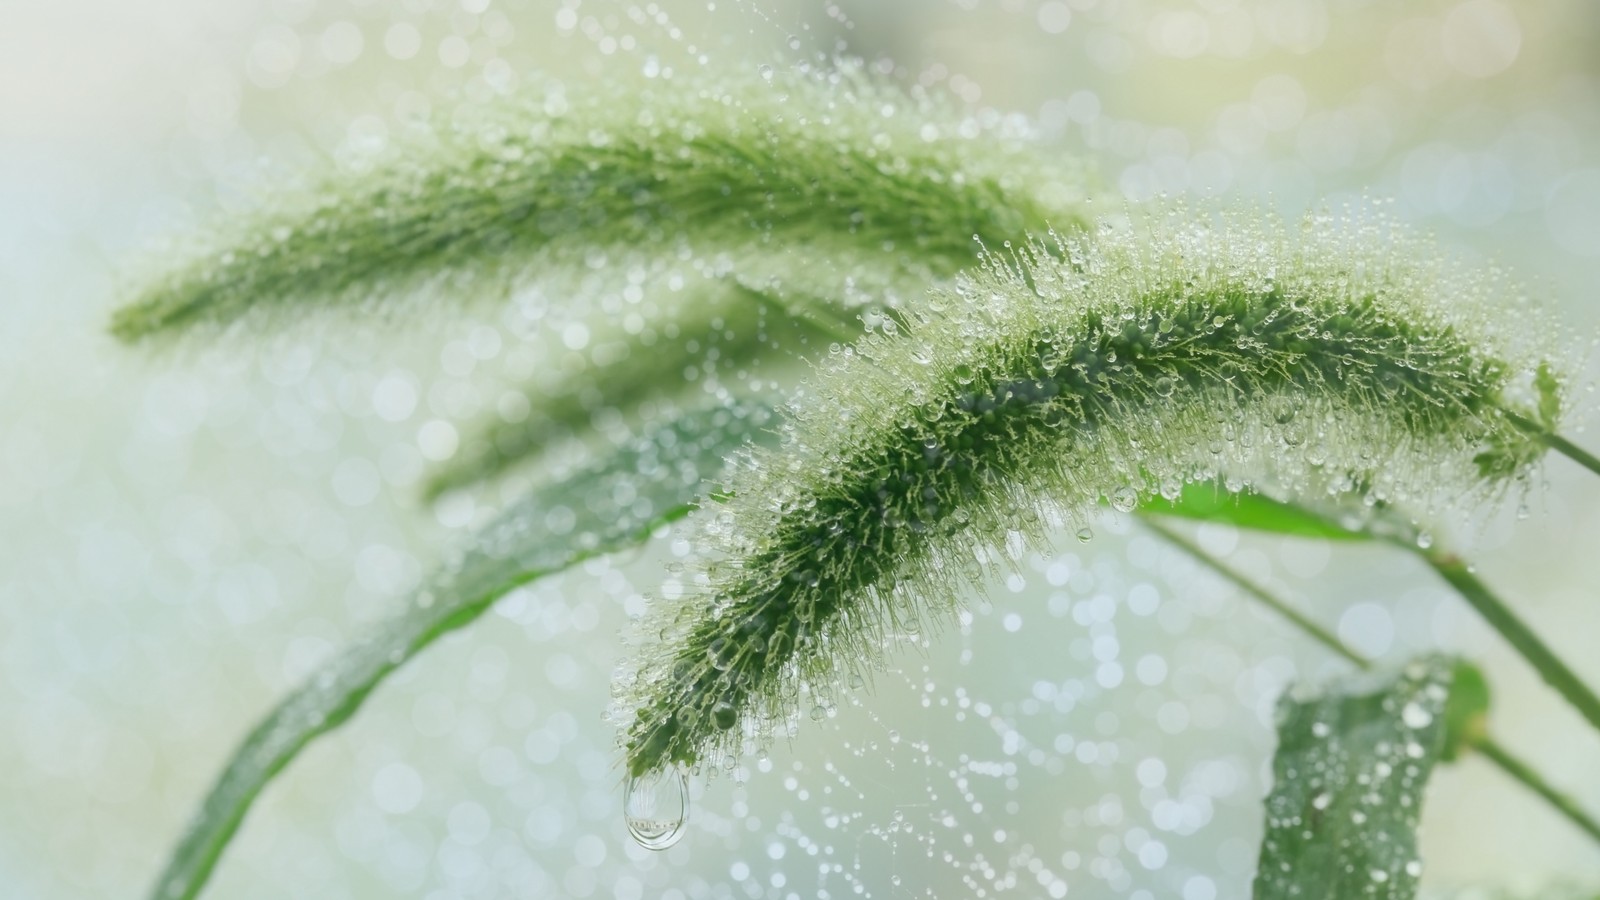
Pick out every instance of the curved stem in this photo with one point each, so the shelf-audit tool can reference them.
(1533, 781)
(1556, 442)
(1516, 632)
(1503, 759)
(1311, 629)
(1572, 451)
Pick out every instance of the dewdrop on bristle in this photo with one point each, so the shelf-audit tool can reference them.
(1337, 358)
(655, 808)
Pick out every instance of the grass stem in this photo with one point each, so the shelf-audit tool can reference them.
(1555, 673)
(1515, 768)
(1556, 442)
(1525, 775)
(1310, 628)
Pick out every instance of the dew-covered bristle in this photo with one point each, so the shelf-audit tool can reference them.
(1339, 358)
(829, 172)
(719, 338)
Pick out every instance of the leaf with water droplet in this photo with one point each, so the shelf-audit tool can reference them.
(1210, 501)
(664, 472)
(1352, 761)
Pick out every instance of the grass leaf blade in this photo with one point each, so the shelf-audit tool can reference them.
(1211, 502)
(1353, 759)
(665, 471)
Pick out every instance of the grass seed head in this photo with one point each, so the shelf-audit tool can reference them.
(1340, 356)
(810, 173)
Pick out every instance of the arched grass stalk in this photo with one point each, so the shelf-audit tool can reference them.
(1476, 738)
(1556, 442)
(810, 168)
(1313, 359)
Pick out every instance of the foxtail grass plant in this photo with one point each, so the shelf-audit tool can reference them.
(1115, 368)
(999, 366)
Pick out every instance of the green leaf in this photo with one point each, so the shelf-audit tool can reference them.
(1209, 501)
(1549, 389)
(1501, 461)
(1466, 713)
(613, 503)
(1352, 761)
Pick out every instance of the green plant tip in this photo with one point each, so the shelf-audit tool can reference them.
(1338, 357)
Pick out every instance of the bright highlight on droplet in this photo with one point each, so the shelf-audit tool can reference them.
(656, 808)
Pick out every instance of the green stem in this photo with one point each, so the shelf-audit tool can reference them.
(1533, 781)
(1500, 617)
(1556, 442)
(1295, 617)
(1518, 770)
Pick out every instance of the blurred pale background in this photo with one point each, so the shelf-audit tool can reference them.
(183, 537)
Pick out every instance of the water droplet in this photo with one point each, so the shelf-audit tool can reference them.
(1124, 499)
(1085, 534)
(656, 807)
(1424, 540)
(766, 73)
(1165, 385)
(1415, 716)
(1322, 800)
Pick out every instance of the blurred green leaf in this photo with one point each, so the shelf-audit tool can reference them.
(737, 324)
(1500, 462)
(1352, 761)
(1209, 501)
(611, 504)
(1466, 713)
(1549, 389)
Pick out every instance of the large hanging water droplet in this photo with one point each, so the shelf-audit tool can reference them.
(656, 808)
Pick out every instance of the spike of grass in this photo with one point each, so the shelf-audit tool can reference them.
(1341, 354)
(717, 338)
(676, 167)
